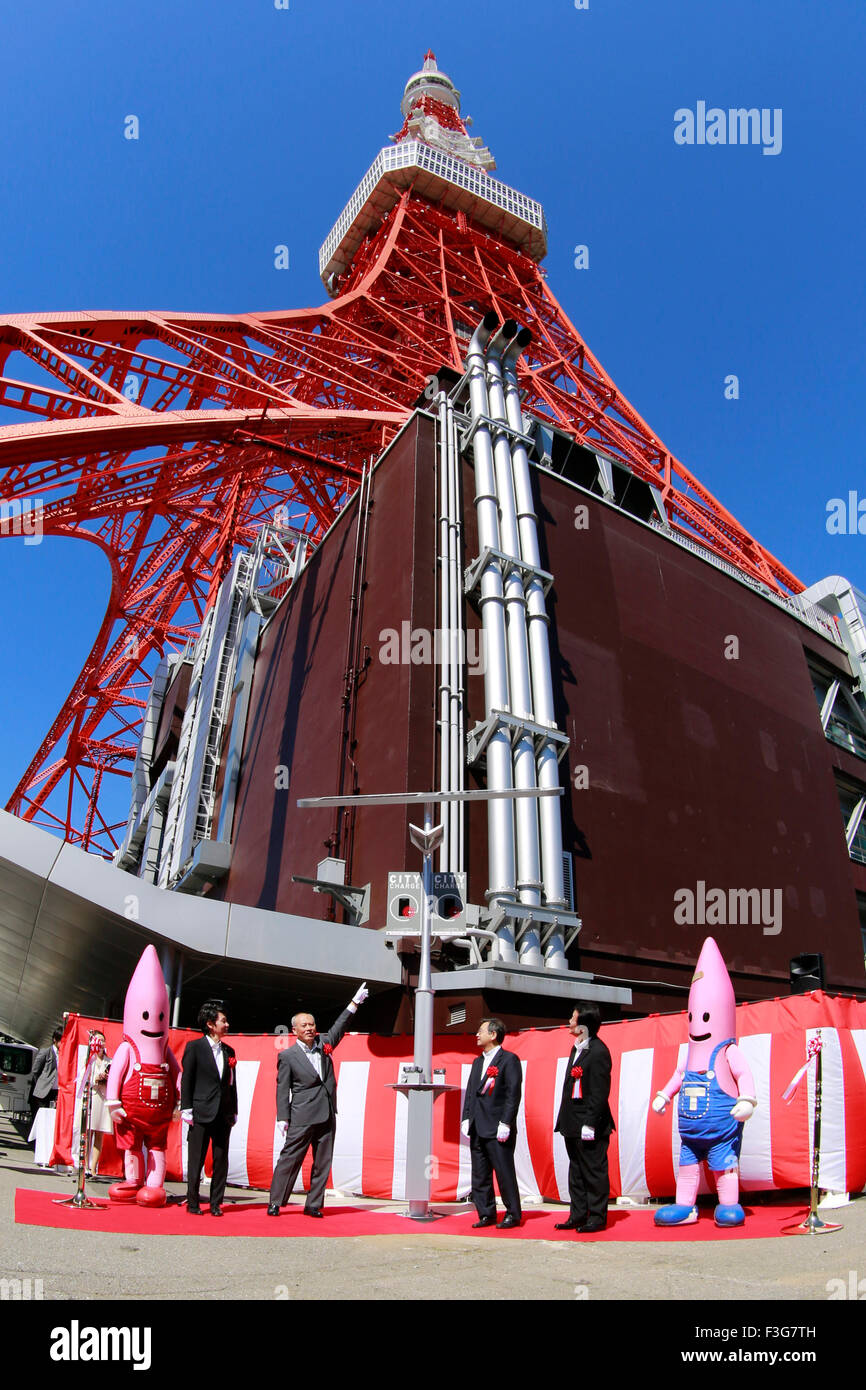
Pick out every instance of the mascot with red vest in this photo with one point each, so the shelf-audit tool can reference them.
(142, 1086)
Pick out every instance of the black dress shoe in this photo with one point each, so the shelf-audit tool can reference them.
(274, 1209)
(485, 1221)
(507, 1222)
(216, 1211)
(194, 1211)
(590, 1227)
(568, 1225)
(312, 1211)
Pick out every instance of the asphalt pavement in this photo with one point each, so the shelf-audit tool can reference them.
(418, 1265)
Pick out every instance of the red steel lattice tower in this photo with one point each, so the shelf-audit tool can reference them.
(169, 439)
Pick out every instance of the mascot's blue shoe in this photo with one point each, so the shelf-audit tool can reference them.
(729, 1216)
(676, 1215)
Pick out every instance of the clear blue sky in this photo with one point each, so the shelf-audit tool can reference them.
(257, 123)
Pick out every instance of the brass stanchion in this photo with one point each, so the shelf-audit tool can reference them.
(81, 1200)
(814, 1225)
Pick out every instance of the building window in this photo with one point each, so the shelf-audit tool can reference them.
(842, 711)
(843, 728)
(852, 800)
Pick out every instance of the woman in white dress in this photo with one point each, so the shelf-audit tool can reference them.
(100, 1120)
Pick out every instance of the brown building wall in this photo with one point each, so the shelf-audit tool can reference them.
(296, 713)
(700, 767)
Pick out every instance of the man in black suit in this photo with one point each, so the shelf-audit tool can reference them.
(209, 1105)
(490, 1122)
(307, 1107)
(586, 1123)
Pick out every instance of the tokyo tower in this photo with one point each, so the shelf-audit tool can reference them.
(170, 439)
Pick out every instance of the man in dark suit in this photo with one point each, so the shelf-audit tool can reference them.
(209, 1105)
(490, 1122)
(43, 1078)
(586, 1123)
(307, 1107)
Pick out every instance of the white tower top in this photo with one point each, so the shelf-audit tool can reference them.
(429, 82)
(431, 106)
(432, 157)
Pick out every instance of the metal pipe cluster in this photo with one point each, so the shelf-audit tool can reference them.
(524, 837)
(452, 640)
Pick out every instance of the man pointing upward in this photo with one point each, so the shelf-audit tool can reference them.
(307, 1107)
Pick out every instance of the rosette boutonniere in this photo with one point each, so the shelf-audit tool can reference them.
(576, 1074)
(489, 1080)
(327, 1049)
(233, 1061)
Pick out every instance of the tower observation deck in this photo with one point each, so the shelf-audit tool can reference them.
(434, 156)
(443, 179)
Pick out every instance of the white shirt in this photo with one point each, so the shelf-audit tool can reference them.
(314, 1054)
(217, 1049)
(487, 1058)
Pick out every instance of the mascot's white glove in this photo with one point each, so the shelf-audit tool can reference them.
(587, 1132)
(464, 1128)
(659, 1103)
(116, 1110)
(744, 1108)
(502, 1132)
(359, 996)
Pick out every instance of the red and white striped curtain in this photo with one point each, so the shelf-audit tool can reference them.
(370, 1149)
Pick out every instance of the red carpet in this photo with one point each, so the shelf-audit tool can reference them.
(250, 1218)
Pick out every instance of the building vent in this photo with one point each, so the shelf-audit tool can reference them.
(456, 1014)
(568, 880)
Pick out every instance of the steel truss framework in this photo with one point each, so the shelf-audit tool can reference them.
(169, 439)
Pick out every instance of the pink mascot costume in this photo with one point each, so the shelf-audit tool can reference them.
(142, 1086)
(716, 1096)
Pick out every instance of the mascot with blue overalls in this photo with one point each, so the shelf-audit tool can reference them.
(716, 1096)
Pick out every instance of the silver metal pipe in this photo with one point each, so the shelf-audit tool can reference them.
(458, 599)
(458, 637)
(500, 814)
(178, 992)
(420, 1122)
(539, 656)
(528, 874)
(445, 628)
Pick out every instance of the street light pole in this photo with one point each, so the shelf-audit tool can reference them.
(419, 1131)
(422, 1093)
